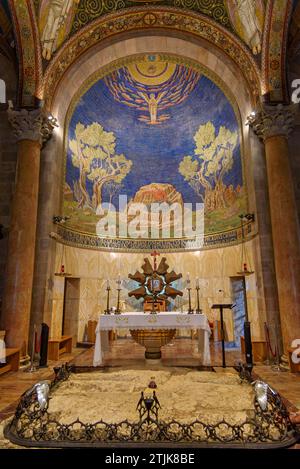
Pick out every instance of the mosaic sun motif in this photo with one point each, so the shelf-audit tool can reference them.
(152, 87)
(154, 130)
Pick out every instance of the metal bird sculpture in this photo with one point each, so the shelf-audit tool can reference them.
(261, 390)
(41, 390)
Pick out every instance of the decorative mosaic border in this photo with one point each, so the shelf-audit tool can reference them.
(274, 51)
(28, 47)
(270, 79)
(89, 10)
(150, 18)
(82, 240)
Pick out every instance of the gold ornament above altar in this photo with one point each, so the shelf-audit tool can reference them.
(155, 284)
(155, 288)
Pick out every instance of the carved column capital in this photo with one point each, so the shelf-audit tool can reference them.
(36, 124)
(272, 121)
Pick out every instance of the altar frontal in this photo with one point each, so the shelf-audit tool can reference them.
(153, 327)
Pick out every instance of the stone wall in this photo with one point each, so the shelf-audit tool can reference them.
(214, 267)
(8, 157)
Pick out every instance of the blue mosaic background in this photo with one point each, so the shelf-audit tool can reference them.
(156, 151)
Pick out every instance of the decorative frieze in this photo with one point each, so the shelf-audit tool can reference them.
(36, 124)
(272, 121)
(84, 240)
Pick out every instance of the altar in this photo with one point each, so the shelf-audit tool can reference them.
(146, 321)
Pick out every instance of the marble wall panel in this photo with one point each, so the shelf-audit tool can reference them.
(213, 267)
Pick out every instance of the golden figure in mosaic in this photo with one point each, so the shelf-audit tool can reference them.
(153, 102)
(55, 21)
(247, 18)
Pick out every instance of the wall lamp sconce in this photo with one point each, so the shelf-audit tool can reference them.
(251, 119)
(247, 216)
(60, 220)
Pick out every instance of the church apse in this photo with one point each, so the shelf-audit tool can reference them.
(153, 130)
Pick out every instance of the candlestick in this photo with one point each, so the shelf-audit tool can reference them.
(118, 298)
(190, 311)
(107, 310)
(198, 310)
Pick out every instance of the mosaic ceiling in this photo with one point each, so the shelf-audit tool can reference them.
(59, 19)
(88, 10)
(251, 32)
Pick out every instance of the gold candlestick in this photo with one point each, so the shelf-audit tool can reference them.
(118, 300)
(198, 310)
(107, 310)
(188, 282)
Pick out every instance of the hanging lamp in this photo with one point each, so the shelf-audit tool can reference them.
(62, 272)
(245, 260)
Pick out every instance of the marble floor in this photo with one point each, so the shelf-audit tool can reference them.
(14, 383)
(125, 352)
(180, 352)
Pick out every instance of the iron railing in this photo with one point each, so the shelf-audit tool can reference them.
(33, 426)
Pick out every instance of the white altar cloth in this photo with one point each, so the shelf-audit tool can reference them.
(163, 320)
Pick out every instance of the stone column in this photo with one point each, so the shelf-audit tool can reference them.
(273, 125)
(31, 129)
(263, 244)
(48, 206)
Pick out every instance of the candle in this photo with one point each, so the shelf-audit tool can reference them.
(119, 280)
(188, 281)
(197, 282)
(107, 283)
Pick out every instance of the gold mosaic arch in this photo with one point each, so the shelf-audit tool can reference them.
(146, 20)
(278, 14)
(28, 50)
(269, 78)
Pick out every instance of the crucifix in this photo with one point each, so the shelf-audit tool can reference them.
(155, 254)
